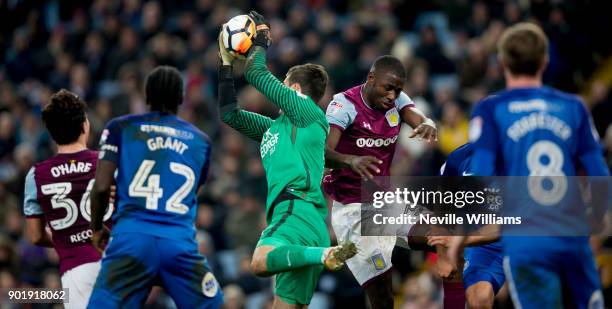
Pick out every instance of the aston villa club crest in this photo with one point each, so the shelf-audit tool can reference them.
(379, 261)
(393, 117)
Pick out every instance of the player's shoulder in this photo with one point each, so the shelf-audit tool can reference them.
(461, 152)
(341, 103)
(457, 160)
(121, 122)
(86, 155)
(403, 100)
(491, 100)
(562, 95)
(186, 125)
(510, 95)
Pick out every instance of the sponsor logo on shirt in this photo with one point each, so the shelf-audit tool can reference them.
(375, 142)
(268, 143)
(335, 107)
(209, 285)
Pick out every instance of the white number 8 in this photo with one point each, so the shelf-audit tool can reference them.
(551, 171)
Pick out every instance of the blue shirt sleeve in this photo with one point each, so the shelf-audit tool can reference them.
(110, 142)
(589, 151)
(449, 168)
(206, 166)
(483, 134)
(31, 207)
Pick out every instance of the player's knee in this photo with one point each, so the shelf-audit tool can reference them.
(479, 297)
(258, 265)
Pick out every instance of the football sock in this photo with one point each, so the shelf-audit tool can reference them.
(454, 295)
(290, 257)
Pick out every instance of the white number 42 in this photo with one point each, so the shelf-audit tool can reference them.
(152, 192)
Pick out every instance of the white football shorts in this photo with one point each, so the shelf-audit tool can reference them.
(80, 282)
(374, 252)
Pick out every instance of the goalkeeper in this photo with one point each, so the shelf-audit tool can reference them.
(295, 246)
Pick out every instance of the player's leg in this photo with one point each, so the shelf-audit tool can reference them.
(186, 276)
(452, 280)
(380, 290)
(483, 275)
(280, 304)
(480, 295)
(80, 282)
(285, 244)
(277, 256)
(372, 264)
(128, 270)
(303, 228)
(581, 276)
(294, 289)
(533, 280)
(414, 238)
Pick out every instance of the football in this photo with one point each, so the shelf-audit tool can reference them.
(238, 34)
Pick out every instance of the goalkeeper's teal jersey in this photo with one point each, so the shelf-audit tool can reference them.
(294, 158)
(293, 145)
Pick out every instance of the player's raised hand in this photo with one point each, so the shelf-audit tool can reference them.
(99, 238)
(262, 37)
(455, 249)
(435, 240)
(445, 268)
(426, 130)
(260, 21)
(113, 193)
(226, 57)
(365, 166)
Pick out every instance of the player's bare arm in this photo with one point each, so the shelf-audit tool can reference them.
(37, 233)
(423, 127)
(485, 235)
(365, 166)
(100, 198)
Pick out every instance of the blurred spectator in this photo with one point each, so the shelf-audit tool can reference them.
(234, 297)
(431, 51)
(453, 131)
(126, 51)
(243, 224)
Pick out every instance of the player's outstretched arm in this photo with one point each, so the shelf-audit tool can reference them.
(423, 127)
(301, 110)
(100, 197)
(484, 137)
(250, 124)
(37, 233)
(364, 166)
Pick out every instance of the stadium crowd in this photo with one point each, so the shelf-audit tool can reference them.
(102, 49)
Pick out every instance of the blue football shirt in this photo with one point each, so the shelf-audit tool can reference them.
(161, 161)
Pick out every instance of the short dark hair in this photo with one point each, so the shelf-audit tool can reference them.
(391, 64)
(523, 48)
(164, 89)
(64, 117)
(312, 78)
